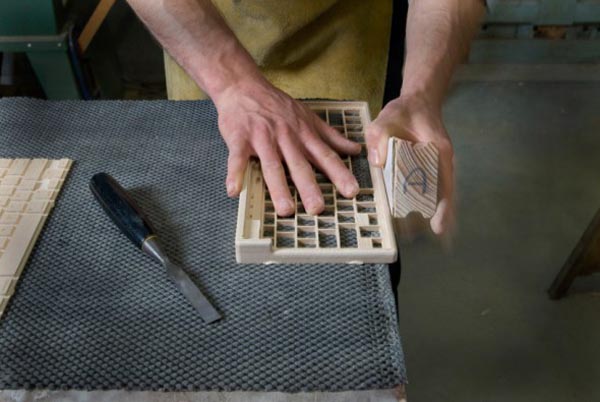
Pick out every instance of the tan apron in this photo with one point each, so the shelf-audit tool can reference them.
(311, 49)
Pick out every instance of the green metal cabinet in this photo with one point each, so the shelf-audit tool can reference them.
(37, 28)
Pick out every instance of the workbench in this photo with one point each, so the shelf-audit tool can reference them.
(94, 319)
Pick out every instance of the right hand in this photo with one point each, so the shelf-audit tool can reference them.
(257, 119)
(413, 119)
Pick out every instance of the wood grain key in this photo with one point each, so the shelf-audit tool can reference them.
(414, 178)
(5, 163)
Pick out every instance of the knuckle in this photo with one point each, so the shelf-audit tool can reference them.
(272, 165)
(374, 132)
(333, 133)
(445, 147)
(287, 136)
(329, 156)
(299, 167)
(260, 125)
(261, 137)
(235, 139)
(237, 152)
(306, 136)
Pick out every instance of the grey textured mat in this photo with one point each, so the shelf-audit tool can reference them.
(92, 312)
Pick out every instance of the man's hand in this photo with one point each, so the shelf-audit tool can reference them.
(256, 119)
(431, 56)
(414, 120)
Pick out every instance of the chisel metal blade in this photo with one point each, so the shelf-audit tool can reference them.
(192, 293)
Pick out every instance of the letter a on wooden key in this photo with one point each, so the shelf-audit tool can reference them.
(411, 178)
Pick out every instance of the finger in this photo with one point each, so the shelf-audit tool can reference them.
(274, 176)
(443, 219)
(236, 166)
(377, 136)
(330, 163)
(303, 176)
(335, 139)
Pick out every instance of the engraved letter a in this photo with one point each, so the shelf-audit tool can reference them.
(422, 182)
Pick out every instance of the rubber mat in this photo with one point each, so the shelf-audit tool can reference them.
(92, 312)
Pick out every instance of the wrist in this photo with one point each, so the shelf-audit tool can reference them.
(229, 67)
(417, 114)
(248, 86)
(419, 106)
(420, 99)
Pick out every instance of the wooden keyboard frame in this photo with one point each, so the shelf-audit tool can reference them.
(261, 234)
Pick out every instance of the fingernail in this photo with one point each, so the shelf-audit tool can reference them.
(314, 205)
(231, 190)
(287, 206)
(374, 156)
(351, 189)
(290, 205)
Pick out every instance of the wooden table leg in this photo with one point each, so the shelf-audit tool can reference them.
(584, 260)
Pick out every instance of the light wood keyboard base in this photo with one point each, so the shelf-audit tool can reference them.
(28, 189)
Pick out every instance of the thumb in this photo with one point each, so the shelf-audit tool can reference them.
(377, 137)
(442, 221)
(236, 166)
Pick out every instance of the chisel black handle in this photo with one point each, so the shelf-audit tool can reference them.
(121, 208)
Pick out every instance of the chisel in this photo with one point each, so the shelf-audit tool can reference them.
(125, 213)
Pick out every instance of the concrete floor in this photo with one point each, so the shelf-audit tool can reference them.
(476, 323)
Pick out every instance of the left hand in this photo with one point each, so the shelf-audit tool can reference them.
(257, 119)
(415, 120)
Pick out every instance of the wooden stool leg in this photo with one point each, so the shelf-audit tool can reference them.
(584, 260)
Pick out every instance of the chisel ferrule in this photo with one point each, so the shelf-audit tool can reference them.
(152, 247)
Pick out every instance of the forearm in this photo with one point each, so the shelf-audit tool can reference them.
(196, 36)
(255, 118)
(438, 34)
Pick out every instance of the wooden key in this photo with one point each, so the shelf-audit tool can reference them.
(411, 174)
